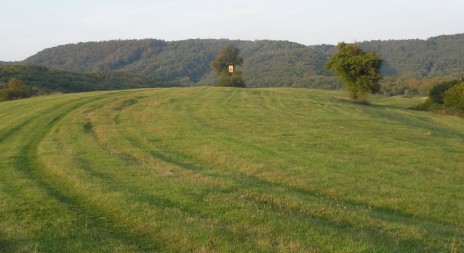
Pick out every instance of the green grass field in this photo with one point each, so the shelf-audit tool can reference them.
(228, 170)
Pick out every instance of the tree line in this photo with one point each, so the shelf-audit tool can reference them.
(359, 71)
(41, 80)
(409, 66)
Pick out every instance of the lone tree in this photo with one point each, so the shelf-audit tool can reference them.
(225, 67)
(358, 70)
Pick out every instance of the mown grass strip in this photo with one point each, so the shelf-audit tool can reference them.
(261, 170)
(28, 164)
(174, 158)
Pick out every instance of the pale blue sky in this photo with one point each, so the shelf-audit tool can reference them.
(29, 26)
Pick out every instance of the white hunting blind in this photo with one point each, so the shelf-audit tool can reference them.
(231, 68)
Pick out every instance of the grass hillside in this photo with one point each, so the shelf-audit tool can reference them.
(228, 170)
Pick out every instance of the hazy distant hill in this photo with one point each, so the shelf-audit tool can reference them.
(267, 63)
(434, 57)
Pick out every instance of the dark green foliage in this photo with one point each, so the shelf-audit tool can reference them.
(359, 71)
(266, 63)
(17, 89)
(447, 98)
(454, 97)
(233, 80)
(410, 85)
(97, 56)
(437, 93)
(4, 96)
(181, 62)
(287, 64)
(41, 80)
(228, 56)
(435, 57)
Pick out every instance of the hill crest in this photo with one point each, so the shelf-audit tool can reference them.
(267, 62)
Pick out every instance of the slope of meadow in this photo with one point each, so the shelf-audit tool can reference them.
(228, 170)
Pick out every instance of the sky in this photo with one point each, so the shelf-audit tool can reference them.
(29, 26)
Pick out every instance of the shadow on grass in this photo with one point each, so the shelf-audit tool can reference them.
(430, 106)
(362, 101)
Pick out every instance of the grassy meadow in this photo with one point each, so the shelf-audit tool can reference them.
(228, 170)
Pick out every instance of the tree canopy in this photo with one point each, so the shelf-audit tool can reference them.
(41, 80)
(454, 97)
(409, 66)
(225, 67)
(15, 89)
(358, 70)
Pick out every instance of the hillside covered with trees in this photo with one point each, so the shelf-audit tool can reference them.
(42, 80)
(407, 64)
(266, 63)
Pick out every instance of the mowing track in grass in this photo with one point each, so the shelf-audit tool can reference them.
(229, 170)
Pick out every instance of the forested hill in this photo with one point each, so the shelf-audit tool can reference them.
(41, 80)
(266, 63)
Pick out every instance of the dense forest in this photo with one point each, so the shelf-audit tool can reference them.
(409, 66)
(41, 80)
(267, 63)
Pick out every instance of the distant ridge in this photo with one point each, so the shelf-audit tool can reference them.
(267, 63)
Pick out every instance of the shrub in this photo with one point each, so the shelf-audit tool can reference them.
(4, 95)
(17, 89)
(454, 96)
(234, 80)
(437, 93)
